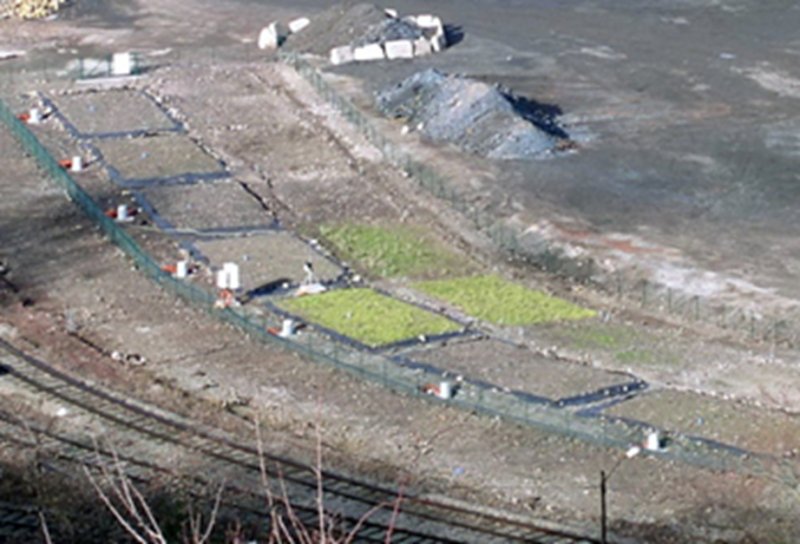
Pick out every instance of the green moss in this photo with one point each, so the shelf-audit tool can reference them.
(369, 317)
(496, 300)
(396, 250)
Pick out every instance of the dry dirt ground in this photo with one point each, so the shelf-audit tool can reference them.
(307, 166)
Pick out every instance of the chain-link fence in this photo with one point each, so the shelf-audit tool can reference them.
(628, 289)
(376, 367)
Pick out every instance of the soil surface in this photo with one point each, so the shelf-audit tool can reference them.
(291, 157)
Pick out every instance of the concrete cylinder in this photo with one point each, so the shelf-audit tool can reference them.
(35, 116)
(77, 163)
(445, 390)
(182, 269)
(122, 212)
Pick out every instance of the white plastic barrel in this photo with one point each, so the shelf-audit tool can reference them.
(182, 269)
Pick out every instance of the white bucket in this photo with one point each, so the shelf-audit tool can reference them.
(35, 116)
(445, 390)
(287, 328)
(653, 441)
(232, 272)
(77, 163)
(182, 269)
(122, 212)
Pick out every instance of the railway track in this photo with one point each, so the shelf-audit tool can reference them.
(421, 519)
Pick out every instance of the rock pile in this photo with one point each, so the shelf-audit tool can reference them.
(477, 117)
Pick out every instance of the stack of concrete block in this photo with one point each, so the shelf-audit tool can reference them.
(433, 40)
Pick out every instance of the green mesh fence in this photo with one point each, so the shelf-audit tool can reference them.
(374, 367)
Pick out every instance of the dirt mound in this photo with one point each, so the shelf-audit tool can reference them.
(475, 116)
(350, 24)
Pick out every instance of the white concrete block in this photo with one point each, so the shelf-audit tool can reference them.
(422, 47)
(121, 64)
(272, 36)
(372, 51)
(428, 21)
(298, 24)
(438, 42)
(391, 12)
(342, 55)
(399, 49)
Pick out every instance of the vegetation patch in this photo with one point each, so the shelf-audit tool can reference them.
(496, 300)
(369, 317)
(396, 250)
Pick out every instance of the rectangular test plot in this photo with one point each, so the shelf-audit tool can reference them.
(109, 113)
(204, 207)
(267, 258)
(517, 368)
(159, 159)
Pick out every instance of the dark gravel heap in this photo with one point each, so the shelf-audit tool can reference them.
(473, 115)
(350, 23)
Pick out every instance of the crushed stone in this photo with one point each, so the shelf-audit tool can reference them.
(477, 117)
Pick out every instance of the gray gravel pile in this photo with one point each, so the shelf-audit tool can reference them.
(387, 30)
(350, 23)
(473, 115)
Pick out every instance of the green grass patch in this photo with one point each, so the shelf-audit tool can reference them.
(369, 317)
(496, 300)
(396, 250)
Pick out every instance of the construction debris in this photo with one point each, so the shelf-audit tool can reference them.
(365, 32)
(477, 117)
(30, 9)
